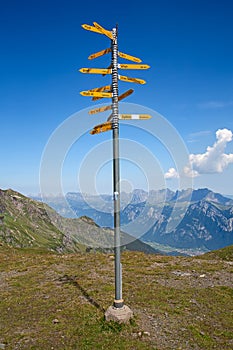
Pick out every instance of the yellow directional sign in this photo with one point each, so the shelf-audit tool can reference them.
(103, 31)
(101, 128)
(131, 80)
(129, 57)
(125, 94)
(134, 116)
(96, 93)
(95, 98)
(95, 70)
(106, 88)
(107, 108)
(91, 28)
(98, 54)
(102, 88)
(133, 66)
(100, 109)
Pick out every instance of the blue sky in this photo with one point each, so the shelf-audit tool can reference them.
(188, 45)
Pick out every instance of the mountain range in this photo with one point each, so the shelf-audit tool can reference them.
(186, 219)
(26, 223)
(179, 303)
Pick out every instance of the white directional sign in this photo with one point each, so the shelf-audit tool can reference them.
(134, 116)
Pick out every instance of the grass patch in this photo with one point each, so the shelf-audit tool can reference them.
(58, 301)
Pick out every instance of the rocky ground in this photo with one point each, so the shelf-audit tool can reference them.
(52, 301)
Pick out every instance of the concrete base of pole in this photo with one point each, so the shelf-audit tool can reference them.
(120, 315)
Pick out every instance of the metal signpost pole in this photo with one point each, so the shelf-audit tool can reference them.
(118, 302)
(118, 312)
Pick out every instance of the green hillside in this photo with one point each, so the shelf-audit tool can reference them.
(57, 301)
(26, 223)
(224, 254)
(54, 300)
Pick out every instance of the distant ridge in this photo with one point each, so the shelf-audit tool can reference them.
(26, 223)
(189, 219)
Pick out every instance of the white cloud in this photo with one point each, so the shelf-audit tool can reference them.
(214, 160)
(171, 174)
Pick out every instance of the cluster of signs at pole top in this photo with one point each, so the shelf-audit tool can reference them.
(106, 91)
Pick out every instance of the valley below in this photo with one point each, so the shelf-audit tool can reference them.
(189, 222)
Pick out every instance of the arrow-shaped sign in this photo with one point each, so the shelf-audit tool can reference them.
(99, 54)
(91, 28)
(129, 57)
(102, 88)
(101, 128)
(96, 93)
(107, 108)
(106, 88)
(103, 31)
(133, 66)
(100, 109)
(125, 94)
(95, 70)
(96, 98)
(131, 80)
(134, 116)
(131, 116)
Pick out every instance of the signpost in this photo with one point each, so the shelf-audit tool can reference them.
(129, 57)
(131, 80)
(100, 109)
(102, 88)
(101, 128)
(99, 54)
(118, 312)
(108, 33)
(96, 93)
(95, 70)
(125, 94)
(134, 116)
(133, 66)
